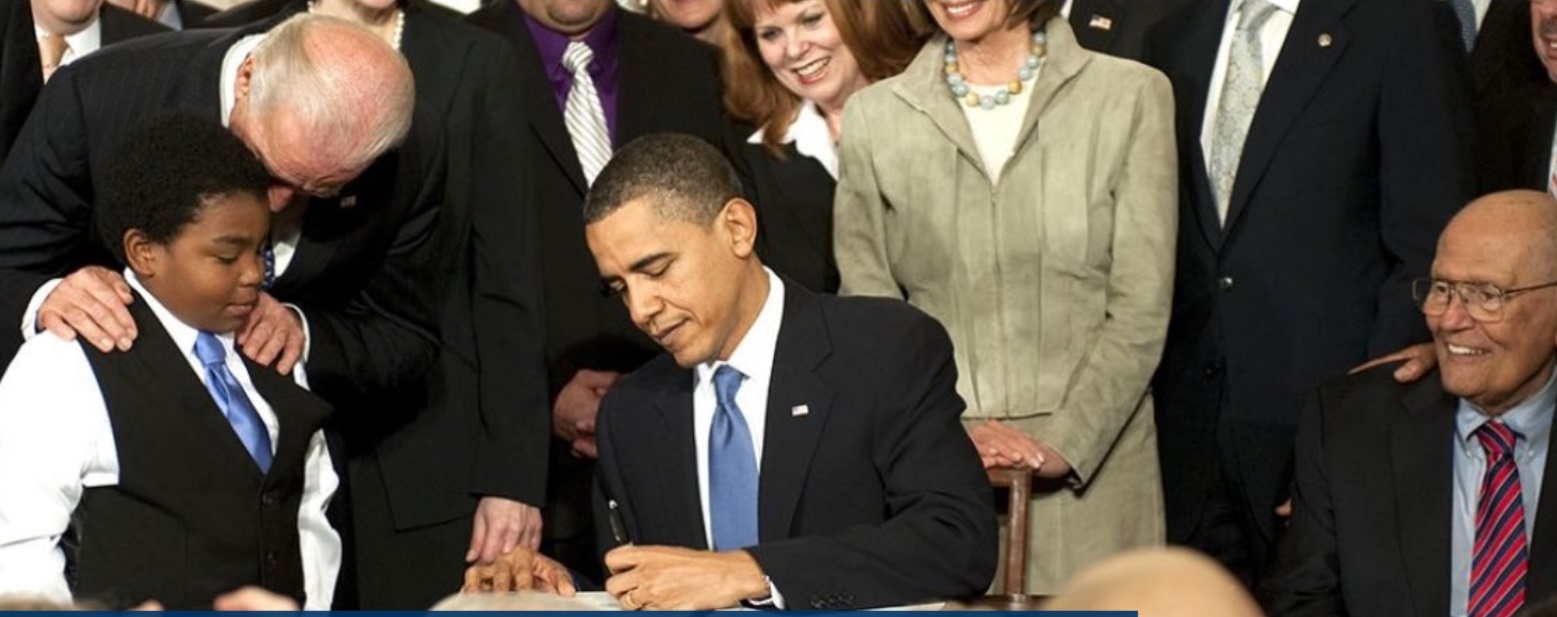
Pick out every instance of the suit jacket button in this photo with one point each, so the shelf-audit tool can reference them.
(1226, 283)
(270, 498)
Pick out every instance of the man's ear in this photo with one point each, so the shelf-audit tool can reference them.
(739, 220)
(141, 254)
(245, 78)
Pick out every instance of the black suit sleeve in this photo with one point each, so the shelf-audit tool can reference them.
(1425, 169)
(45, 204)
(511, 455)
(937, 541)
(384, 338)
(1306, 579)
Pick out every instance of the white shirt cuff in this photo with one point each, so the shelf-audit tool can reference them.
(307, 334)
(775, 598)
(30, 316)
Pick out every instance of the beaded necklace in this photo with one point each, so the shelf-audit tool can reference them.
(963, 91)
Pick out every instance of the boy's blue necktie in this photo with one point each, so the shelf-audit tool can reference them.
(732, 468)
(234, 403)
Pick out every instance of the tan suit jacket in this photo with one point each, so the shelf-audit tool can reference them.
(1055, 283)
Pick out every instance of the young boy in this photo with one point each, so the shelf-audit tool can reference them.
(185, 470)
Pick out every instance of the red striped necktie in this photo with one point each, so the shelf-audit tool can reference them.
(1501, 555)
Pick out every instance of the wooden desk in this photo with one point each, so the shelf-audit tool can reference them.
(997, 602)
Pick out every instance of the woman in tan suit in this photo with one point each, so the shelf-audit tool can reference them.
(1022, 190)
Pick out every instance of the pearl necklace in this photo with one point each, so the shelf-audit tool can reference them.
(963, 92)
(399, 25)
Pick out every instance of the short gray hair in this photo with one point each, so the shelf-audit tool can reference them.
(687, 178)
(348, 89)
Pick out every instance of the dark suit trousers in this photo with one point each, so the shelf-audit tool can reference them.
(1227, 529)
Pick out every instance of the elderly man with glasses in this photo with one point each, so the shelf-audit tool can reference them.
(1422, 498)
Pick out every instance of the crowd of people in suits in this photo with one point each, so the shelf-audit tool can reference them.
(720, 302)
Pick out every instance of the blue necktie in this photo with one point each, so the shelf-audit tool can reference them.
(268, 253)
(234, 403)
(732, 468)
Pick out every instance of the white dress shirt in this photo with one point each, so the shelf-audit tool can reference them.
(86, 41)
(811, 137)
(56, 440)
(753, 357)
(1272, 35)
(286, 229)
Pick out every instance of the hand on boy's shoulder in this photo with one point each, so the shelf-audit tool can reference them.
(274, 334)
(90, 303)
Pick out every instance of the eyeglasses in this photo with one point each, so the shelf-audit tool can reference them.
(1483, 301)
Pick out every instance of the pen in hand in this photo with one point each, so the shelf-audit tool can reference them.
(618, 526)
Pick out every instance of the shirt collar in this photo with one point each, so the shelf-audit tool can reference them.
(753, 356)
(183, 334)
(601, 40)
(231, 62)
(811, 136)
(1531, 418)
(83, 42)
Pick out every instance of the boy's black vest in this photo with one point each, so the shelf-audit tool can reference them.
(192, 516)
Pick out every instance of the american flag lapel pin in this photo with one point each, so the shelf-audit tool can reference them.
(1100, 22)
(799, 411)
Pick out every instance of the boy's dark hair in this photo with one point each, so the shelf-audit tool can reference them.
(162, 173)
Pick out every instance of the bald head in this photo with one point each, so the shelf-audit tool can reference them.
(1159, 582)
(1520, 222)
(336, 83)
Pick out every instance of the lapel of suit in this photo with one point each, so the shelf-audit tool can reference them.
(1421, 451)
(1541, 581)
(1538, 147)
(1314, 43)
(1064, 59)
(1191, 67)
(540, 100)
(678, 476)
(791, 436)
(1504, 18)
(1095, 23)
(924, 89)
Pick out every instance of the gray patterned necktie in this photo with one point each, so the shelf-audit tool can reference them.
(1240, 97)
(583, 113)
(1465, 13)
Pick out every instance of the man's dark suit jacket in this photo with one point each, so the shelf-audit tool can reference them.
(1373, 504)
(1357, 156)
(1503, 59)
(495, 428)
(21, 71)
(1118, 27)
(668, 83)
(1516, 140)
(873, 498)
